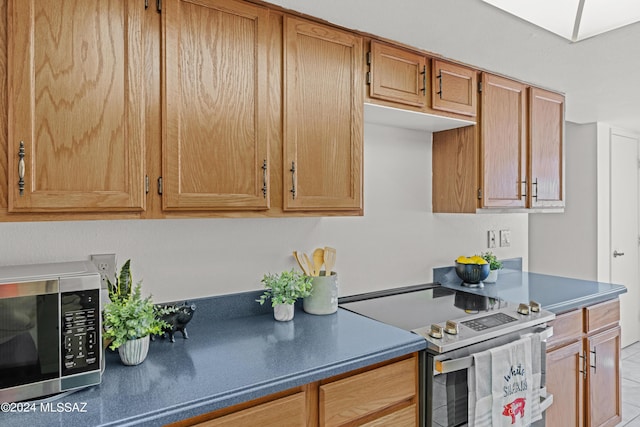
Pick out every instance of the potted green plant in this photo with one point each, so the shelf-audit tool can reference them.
(283, 290)
(129, 319)
(494, 265)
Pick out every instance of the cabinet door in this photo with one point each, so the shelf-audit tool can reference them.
(604, 384)
(323, 117)
(454, 88)
(76, 113)
(546, 130)
(503, 142)
(565, 381)
(214, 116)
(397, 75)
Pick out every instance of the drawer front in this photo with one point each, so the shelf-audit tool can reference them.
(567, 327)
(407, 417)
(284, 412)
(603, 315)
(354, 397)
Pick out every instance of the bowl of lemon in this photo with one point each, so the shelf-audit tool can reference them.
(472, 270)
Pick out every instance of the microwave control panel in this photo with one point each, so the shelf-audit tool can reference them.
(80, 347)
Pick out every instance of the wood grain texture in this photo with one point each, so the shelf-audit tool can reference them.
(353, 398)
(503, 142)
(284, 412)
(76, 100)
(604, 383)
(601, 316)
(546, 134)
(398, 75)
(567, 327)
(455, 171)
(323, 117)
(215, 111)
(454, 88)
(406, 417)
(565, 382)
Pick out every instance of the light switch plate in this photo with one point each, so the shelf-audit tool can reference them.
(505, 238)
(491, 239)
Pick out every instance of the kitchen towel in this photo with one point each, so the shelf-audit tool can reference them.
(512, 383)
(480, 393)
(536, 372)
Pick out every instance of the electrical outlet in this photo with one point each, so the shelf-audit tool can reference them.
(491, 239)
(106, 264)
(505, 238)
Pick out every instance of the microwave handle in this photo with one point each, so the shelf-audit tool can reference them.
(446, 366)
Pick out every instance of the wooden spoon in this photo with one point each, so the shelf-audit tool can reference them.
(312, 272)
(329, 259)
(301, 264)
(318, 260)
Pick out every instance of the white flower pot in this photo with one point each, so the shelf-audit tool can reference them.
(133, 352)
(492, 277)
(283, 312)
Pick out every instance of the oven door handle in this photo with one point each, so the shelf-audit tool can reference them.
(446, 366)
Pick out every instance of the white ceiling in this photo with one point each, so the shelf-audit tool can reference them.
(599, 75)
(574, 20)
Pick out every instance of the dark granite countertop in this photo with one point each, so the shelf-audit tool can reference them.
(556, 294)
(226, 360)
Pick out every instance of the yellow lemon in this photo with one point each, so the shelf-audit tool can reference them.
(462, 259)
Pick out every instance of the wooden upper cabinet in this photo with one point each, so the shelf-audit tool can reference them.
(397, 75)
(546, 130)
(454, 88)
(76, 102)
(215, 149)
(503, 142)
(323, 117)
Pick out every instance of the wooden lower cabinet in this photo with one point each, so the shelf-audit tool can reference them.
(385, 394)
(583, 367)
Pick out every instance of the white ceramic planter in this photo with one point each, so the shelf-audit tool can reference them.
(283, 312)
(492, 277)
(133, 352)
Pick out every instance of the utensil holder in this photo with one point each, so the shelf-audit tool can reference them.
(324, 295)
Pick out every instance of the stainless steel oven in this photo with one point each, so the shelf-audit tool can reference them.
(456, 325)
(50, 329)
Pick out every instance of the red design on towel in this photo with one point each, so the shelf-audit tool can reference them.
(514, 408)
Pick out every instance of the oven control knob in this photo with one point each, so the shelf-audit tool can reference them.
(451, 327)
(535, 307)
(523, 309)
(436, 331)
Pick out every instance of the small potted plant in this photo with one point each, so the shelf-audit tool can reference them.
(129, 319)
(494, 265)
(283, 290)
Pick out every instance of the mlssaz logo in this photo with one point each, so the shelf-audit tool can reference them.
(514, 408)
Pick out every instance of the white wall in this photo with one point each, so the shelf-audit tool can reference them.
(396, 243)
(566, 244)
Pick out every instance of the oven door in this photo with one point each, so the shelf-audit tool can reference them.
(29, 335)
(446, 380)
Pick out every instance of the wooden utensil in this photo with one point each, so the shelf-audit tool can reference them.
(318, 260)
(312, 271)
(302, 265)
(329, 259)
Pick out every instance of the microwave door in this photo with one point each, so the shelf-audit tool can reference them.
(29, 324)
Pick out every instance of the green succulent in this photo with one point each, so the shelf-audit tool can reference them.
(494, 262)
(285, 288)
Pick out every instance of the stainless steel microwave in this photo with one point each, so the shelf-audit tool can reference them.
(50, 329)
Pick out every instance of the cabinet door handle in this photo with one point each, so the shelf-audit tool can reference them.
(535, 183)
(424, 79)
(440, 84)
(594, 352)
(264, 178)
(293, 179)
(617, 254)
(524, 192)
(21, 168)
